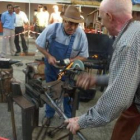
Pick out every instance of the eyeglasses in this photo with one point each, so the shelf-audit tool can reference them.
(39, 7)
(71, 23)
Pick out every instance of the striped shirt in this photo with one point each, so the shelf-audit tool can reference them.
(124, 78)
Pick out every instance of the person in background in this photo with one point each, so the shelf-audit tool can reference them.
(40, 20)
(21, 21)
(98, 25)
(8, 20)
(55, 16)
(67, 41)
(82, 24)
(122, 95)
(35, 11)
(46, 14)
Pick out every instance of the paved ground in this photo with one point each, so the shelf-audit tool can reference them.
(101, 133)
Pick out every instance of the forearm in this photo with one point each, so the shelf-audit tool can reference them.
(78, 57)
(43, 51)
(102, 80)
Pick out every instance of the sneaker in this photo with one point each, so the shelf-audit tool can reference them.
(46, 121)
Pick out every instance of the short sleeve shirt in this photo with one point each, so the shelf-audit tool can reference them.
(80, 45)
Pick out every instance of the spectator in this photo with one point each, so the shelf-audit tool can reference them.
(66, 41)
(98, 25)
(122, 95)
(40, 20)
(55, 16)
(8, 19)
(21, 21)
(46, 14)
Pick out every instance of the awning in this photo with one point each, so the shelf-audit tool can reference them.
(39, 1)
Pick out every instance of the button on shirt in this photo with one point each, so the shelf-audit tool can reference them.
(21, 18)
(8, 20)
(80, 45)
(124, 78)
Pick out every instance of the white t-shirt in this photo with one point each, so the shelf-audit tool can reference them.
(21, 18)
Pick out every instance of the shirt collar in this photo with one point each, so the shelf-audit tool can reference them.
(120, 33)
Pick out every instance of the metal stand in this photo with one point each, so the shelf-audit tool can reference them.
(28, 110)
(74, 108)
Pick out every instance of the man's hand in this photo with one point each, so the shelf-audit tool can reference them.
(51, 60)
(73, 125)
(86, 81)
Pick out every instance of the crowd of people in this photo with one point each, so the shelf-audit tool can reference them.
(15, 23)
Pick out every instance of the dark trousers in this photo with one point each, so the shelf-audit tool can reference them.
(38, 29)
(24, 46)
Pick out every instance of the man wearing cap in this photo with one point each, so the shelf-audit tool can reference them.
(66, 41)
(21, 20)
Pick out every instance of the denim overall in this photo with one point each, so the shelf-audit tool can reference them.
(60, 52)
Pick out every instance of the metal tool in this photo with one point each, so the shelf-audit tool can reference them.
(59, 111)
(78, 64)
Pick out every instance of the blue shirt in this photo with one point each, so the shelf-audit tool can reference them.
(8, 20)
(80, 45)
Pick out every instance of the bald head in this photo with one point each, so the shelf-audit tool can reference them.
(117, 7)
(115, 14)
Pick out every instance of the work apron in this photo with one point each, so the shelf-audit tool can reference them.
(60, 52)
(127, 124)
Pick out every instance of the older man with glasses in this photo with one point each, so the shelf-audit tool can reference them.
(66, 41)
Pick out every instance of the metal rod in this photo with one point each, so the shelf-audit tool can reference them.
(59, 111)
(55, 130)
(63, 136)
(40, 131)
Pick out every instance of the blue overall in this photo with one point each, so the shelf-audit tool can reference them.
(60, 52)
